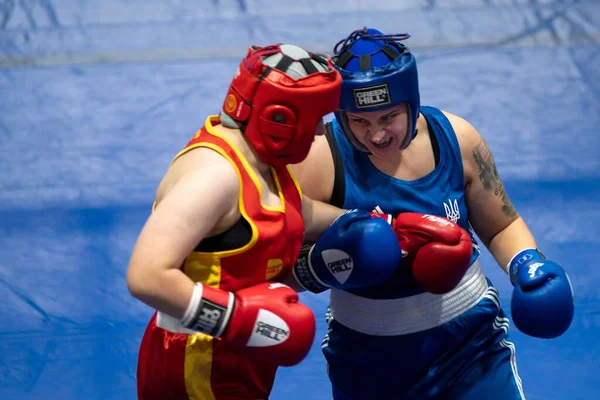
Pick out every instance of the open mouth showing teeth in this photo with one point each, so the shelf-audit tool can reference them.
(383, 143)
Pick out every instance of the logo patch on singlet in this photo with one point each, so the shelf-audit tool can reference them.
(452, 210)
(274, 267)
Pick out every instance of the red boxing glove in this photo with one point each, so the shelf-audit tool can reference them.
(440, 250)
(388, 217)
(264, 321)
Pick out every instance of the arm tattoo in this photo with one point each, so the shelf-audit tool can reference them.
(488, 174)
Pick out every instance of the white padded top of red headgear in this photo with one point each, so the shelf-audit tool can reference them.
(295, 70)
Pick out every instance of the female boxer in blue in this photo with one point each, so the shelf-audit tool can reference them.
(385, 151)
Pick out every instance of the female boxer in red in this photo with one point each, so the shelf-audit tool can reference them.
(228, 223)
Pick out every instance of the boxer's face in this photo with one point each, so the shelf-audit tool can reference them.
(382, 131)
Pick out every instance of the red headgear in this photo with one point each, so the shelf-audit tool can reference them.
(278, 114)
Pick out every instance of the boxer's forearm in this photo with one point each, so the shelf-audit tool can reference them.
(511, 240)
(317, 218)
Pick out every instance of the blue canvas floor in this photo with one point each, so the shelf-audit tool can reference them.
(97, 97)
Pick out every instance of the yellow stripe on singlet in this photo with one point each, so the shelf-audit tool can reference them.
(205, 267)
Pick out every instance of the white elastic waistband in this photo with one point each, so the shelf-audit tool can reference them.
(390, 317)
(171, 324)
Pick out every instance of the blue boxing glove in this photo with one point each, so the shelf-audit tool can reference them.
(358, 249)
(542, 301)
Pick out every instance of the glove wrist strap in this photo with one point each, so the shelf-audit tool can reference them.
(304, 274)
(206, 314)
(523, 257)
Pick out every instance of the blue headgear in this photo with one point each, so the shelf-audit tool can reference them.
(377, 72)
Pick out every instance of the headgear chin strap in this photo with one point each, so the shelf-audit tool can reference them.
(378, 72)
(278, 106)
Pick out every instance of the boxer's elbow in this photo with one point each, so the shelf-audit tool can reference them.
(144, 281)
(139, 284)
